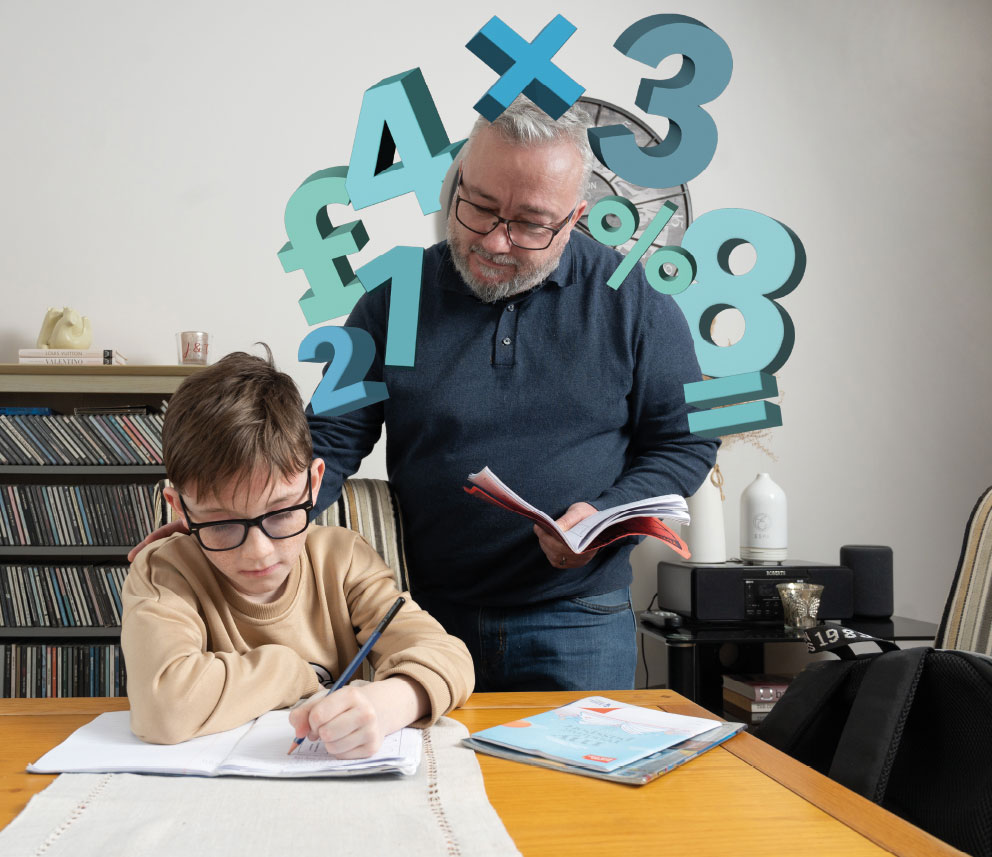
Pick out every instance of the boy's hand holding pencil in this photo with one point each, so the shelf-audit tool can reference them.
(352, 720)
(346, 722)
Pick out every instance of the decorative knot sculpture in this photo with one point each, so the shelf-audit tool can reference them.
(65, 328)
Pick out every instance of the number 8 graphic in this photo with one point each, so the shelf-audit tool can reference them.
(768, 330)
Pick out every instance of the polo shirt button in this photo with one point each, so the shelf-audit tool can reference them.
(510, 307)
(506, 340)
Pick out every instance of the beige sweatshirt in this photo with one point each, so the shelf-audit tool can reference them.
(201, 658)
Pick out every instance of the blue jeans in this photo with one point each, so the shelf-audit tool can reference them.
(584, 643)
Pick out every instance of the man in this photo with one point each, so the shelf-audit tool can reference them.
(570, 391)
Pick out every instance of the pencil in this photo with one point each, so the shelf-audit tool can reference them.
(363, 653)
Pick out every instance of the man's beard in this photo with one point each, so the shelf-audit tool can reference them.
(525, 276)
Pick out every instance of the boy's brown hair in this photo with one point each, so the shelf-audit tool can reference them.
(231, 419)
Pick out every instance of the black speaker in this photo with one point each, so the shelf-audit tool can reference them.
(872, 567)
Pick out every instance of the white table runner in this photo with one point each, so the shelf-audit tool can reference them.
(440, 810)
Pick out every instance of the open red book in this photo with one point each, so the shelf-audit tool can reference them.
(640, 518)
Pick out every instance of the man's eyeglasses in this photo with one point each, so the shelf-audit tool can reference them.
(229, 534)
(522, 233)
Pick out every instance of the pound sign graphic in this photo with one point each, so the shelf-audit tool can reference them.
(320, 249)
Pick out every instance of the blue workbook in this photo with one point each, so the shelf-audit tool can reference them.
(596, 733)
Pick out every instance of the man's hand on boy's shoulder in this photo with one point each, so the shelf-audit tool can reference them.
(154, 536)
(352, 721)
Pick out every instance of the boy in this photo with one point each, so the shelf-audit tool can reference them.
(250, 610)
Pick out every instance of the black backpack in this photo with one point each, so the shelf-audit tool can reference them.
(908, 729)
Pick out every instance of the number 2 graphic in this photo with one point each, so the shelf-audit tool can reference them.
(348, 353)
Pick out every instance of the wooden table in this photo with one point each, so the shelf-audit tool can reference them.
(742, 798)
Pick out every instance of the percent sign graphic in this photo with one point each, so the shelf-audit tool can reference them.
(628, 220)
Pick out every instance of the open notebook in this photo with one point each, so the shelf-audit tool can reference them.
(257, 749)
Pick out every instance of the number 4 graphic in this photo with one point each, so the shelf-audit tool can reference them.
(398, 113)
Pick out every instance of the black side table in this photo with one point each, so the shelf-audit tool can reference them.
(695, 669)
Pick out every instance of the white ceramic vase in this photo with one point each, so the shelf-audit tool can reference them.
(764, 521)
(704, 534)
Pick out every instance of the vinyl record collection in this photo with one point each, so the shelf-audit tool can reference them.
(71, 515)
(85, 438)
(44, 670)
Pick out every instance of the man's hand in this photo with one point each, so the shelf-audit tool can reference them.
(559, 554)
(160, 533)
(352, 721)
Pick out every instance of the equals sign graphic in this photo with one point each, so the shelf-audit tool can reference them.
(731, 404)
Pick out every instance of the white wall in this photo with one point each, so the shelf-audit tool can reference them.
(148, 152)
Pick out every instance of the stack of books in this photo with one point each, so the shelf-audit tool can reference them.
(71, 357)
(749, 697)
(602, 738)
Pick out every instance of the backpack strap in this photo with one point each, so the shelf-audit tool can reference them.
(871, 736)
(808, 695)
(831, 637)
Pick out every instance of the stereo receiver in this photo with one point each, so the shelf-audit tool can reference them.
(744, 592)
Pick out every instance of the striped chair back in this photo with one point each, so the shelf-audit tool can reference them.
(967, 619)
(369, 507)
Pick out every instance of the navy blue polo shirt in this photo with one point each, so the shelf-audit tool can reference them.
(569, 392)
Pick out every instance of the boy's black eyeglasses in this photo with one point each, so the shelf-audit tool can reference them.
(231, 533)
(522, 233)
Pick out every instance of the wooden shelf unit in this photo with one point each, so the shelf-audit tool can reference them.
(63, 388)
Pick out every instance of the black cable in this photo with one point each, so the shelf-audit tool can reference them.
(644, 657)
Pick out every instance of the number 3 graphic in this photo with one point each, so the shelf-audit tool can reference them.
(691, 141)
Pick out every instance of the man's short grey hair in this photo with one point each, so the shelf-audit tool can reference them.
(524, 123)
